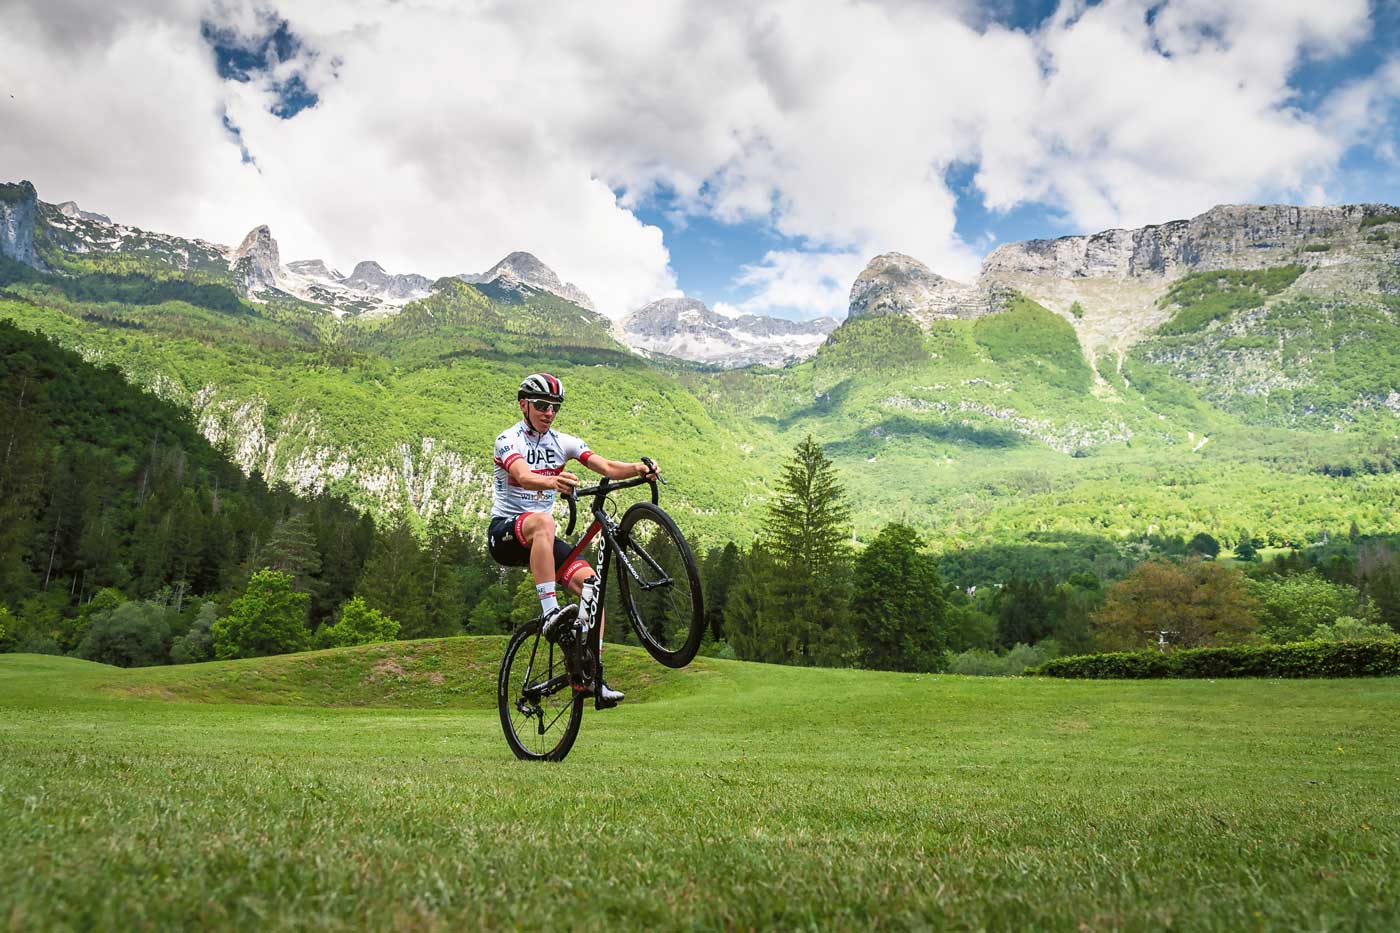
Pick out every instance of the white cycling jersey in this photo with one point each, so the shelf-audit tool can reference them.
(545, 453)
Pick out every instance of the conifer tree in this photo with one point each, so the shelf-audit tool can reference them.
(717, 576)
(806, 532)
(292, 549)
(397, 577)
(754, 620)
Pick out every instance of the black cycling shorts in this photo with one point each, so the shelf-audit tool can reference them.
(506, 543)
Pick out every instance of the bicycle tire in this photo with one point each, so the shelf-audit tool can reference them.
(660, 587)
(523, 733)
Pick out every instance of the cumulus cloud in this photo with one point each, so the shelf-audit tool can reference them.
(445, 134)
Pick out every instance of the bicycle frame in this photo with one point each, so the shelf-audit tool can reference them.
(603, 523)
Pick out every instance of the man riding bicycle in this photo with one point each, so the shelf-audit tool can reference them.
(530, 458)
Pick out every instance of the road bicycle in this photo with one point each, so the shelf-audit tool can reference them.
(543, 683)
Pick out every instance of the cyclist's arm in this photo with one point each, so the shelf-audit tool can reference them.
(613, 469)
(526, 478)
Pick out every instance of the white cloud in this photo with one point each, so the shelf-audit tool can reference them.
(818, 283)
(450, 133)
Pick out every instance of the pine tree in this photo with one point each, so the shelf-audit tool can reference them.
(717, 575)
(292, 549)
(754, 621)
(396, 579)
(807, 531)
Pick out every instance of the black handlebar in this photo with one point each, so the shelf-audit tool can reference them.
(607, 486)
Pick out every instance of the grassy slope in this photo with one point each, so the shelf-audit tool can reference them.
(753, 796)
(949, 433)
(967, 432)
(369, 405)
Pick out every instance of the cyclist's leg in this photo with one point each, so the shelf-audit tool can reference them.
(536, 531)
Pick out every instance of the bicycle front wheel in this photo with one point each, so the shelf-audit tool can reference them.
(540, 711)
(660, 586)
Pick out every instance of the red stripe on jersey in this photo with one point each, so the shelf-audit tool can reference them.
(583, 457)
(509, 460)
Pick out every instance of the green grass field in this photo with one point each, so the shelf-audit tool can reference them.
(372, 789)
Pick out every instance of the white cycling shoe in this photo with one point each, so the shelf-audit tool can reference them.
(606, 697)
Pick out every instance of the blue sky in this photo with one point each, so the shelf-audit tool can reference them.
(706, 253)
(752, 153)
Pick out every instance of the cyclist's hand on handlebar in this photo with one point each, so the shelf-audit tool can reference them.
(565, 482)
(648, 472)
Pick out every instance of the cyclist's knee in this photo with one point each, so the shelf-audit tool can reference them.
(540, 525)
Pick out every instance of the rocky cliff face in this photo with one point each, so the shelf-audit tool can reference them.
(427, 473)
(1238, 236)
(369, 276)
(315, 269)
(521, 268)
(1109, 285)
(19, 210)
(71, 209)
(256, 265)
(688, 329)
(894, 283)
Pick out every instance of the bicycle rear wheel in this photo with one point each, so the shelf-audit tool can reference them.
(659, 584)
(540, 711)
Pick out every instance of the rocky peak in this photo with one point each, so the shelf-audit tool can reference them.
(763, 326)
(314, 268)
(369, 276)
(19, 207)
(522, 268)
(669, 315)
(687, 328)
(255, 263)
(71, 209)
(893, 283)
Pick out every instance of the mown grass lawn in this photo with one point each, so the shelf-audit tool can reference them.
(732, 795)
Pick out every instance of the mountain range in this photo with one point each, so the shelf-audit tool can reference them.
(1237, 369)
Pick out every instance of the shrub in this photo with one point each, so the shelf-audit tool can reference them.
(131, 635)
(1317, 248)
(1350, 628)
(358, 625)
(1375, 220)
(269, 618)
(1292, 607)
(198, 643)
(1215, 296)
(1300, 659)
(1014, 663)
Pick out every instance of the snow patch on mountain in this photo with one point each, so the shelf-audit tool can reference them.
(688, 329)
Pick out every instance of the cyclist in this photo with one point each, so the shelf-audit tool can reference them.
(530, 458)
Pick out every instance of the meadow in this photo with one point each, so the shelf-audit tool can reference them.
(370, 788)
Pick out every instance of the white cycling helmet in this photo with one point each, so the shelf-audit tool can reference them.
(542, 386)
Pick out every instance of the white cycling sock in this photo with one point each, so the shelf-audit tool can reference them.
(547, 601)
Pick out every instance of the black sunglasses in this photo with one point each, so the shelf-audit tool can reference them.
(541, 405)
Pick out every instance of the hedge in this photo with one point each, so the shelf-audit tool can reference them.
(1300, 659)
